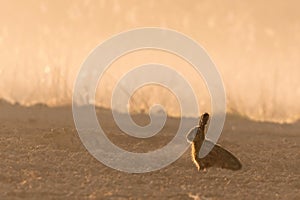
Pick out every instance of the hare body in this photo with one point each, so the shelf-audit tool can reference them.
(197, 137)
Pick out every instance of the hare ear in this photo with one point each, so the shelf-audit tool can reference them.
(203, 120)
(192, 134)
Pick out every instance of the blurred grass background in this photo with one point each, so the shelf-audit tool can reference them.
(255, 45)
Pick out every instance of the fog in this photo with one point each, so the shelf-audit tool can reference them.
(255, 46)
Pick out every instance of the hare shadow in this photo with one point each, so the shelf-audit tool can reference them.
(217, 157)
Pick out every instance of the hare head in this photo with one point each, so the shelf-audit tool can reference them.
(198, 130)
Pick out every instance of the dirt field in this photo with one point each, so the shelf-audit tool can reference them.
(43, 158)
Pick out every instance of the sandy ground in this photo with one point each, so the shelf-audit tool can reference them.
(43, 158)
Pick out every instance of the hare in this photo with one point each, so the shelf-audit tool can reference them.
(217, 157)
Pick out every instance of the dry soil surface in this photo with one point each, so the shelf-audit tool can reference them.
(42, 157)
